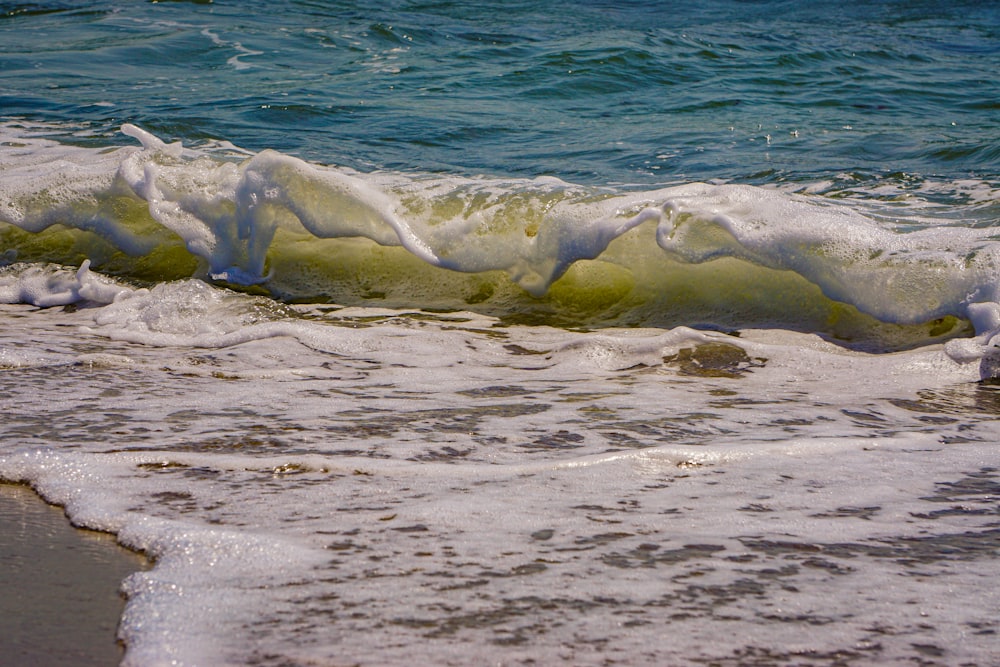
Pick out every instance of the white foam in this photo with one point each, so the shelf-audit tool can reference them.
(227, 213)
(896, 277)
(46, 286)
(317, 483)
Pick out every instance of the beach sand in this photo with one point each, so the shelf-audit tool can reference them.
(59, 599)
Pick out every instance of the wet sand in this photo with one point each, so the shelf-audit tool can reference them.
(59, 600)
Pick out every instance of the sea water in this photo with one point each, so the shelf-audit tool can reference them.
(513, 333)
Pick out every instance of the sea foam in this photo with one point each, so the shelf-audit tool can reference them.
(718, 255)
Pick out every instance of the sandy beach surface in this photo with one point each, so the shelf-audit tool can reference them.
(59, 599)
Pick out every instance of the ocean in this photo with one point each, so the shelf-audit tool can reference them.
(515, 333)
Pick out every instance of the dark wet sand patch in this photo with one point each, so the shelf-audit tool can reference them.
(59, 599)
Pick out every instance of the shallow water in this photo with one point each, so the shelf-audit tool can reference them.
(384, 487)
(436, 333)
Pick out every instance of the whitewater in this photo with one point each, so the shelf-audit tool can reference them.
(521, 334)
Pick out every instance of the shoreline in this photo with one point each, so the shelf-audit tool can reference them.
(59, 589)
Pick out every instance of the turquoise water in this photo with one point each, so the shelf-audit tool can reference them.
(515, 333)
(591, 92)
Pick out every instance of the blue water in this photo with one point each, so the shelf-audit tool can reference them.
(591, 92)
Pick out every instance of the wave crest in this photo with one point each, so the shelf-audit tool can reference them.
(704, 254)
